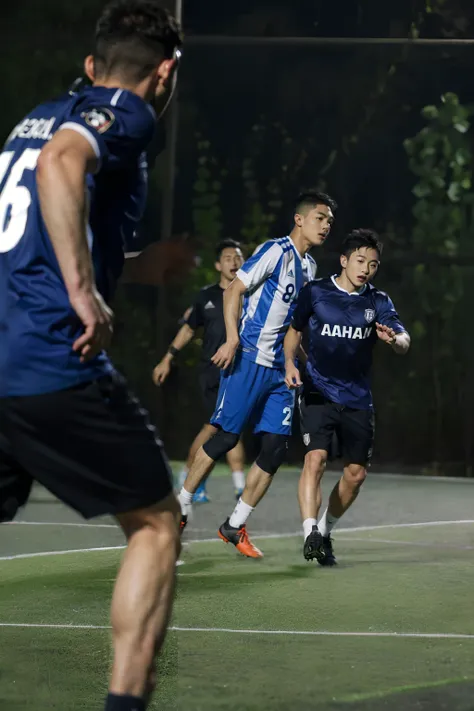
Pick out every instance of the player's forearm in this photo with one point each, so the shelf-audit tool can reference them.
(402, 343)
(291, 345)
(182, 338)
(62, 193)
(232, 311)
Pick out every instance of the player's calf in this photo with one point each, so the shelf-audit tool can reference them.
(142, 600)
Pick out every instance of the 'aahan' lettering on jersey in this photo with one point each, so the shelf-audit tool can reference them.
(345, 331)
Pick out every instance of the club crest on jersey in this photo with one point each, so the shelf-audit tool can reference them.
(369, 315)
(99, 119)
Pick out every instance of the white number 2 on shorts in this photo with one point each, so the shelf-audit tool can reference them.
(287, 411)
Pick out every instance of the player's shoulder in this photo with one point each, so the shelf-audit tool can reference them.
(208, 293)
(321, 284)
(277, 245)
(377, 294)
(210, 290)
(103, 109)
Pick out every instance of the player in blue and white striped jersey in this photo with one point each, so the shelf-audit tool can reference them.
(252, 385)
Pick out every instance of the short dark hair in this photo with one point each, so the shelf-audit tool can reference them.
(226, 244)
(361, 238)
(134, 36)
(311, 198)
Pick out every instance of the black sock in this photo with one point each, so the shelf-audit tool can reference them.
(124, 703)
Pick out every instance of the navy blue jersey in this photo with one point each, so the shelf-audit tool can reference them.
(341, 336)
(37, 323)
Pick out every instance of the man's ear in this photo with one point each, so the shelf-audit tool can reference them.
(89, 67)
(343, 261)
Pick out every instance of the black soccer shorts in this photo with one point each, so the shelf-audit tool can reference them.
(321, 419)
(92, 446)
(209, 380)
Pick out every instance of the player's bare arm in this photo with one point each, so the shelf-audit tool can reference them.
(400, 342)
(232, 311)
(291, 346)
(182, 338)
(61, 173)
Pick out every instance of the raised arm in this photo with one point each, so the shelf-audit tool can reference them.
(390, 329)
(61, 180)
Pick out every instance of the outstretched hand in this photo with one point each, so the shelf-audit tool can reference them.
(386, 334)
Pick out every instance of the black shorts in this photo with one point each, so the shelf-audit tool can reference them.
(92, 446)
(321, 419)
(209, 380)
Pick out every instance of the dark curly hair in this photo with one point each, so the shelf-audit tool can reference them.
(133, 36)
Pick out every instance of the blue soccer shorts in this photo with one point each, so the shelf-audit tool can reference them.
(254, 394)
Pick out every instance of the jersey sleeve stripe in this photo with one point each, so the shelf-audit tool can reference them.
(244, 277)
(116, 97)
(79, 128)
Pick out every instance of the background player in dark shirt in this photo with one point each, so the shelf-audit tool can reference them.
(345, 316)
(73, 180)
(207, 313)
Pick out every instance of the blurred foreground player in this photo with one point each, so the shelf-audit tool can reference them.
(345, 316)
(73, 184)
(252, 388)
(207, 313)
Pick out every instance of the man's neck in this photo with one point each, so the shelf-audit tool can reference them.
(301, 244)
(116, 83)
(224, 282)
(347, 285)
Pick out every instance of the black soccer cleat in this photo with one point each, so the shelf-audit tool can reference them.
(313, 546)
(329, 558)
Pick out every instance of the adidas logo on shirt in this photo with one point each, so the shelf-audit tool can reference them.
(290, 273)
(209, 305)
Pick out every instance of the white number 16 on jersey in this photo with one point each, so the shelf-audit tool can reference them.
(14, 197)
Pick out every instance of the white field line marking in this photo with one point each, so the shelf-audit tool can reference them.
(257, 537)
(226, 630)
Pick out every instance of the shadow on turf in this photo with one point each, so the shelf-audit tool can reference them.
(450, 697)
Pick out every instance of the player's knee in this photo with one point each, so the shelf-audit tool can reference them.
(315, 461)
(355, 475)
(157, 525)
(273, 452)
(220, 444)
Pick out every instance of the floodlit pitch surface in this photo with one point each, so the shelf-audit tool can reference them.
(392, 627)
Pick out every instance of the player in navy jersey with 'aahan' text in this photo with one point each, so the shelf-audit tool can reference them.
(73, 179)
(345, 316)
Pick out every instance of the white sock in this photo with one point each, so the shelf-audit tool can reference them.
(240, 514)
(308, 524)
(327, 523)
(239, 480)
(182, 476)
(185, 499)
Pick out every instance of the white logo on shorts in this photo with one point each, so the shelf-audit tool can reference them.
(306, 439)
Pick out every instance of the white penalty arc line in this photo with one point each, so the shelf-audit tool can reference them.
(262, 536)
(228, 630)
